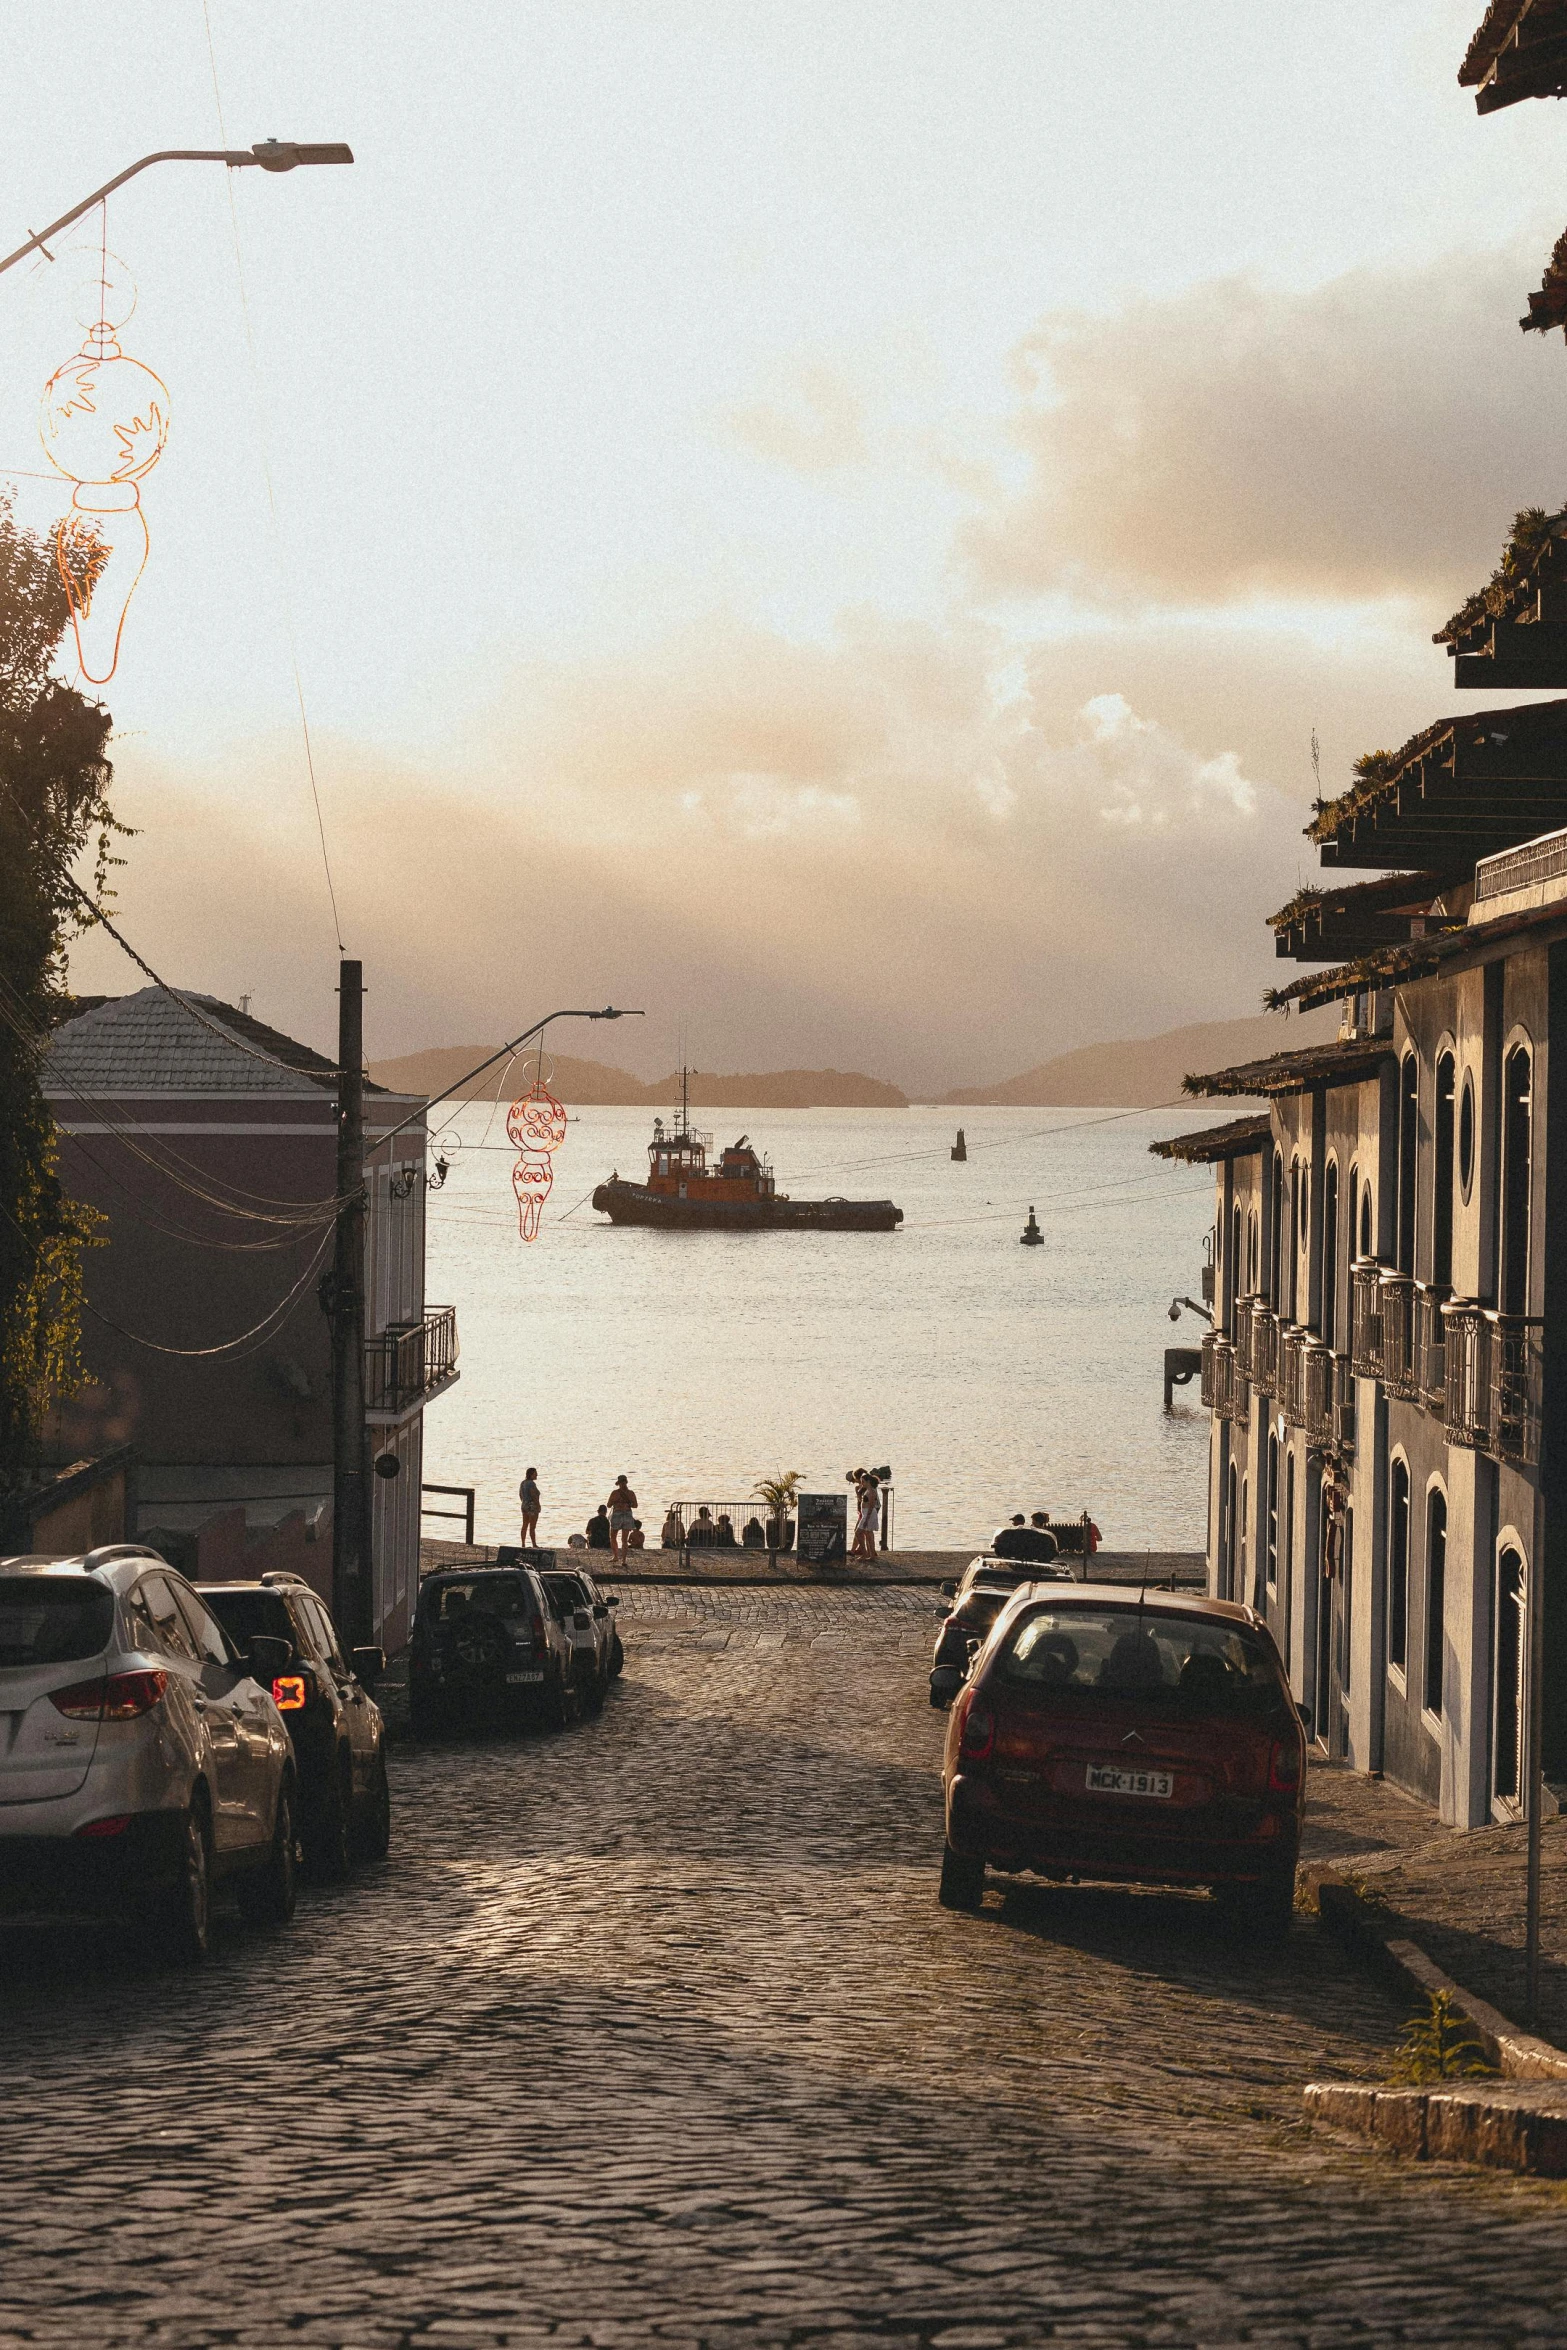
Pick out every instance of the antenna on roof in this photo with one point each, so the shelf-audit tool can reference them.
(244, 1005)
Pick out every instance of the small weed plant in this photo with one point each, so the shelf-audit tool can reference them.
(1439, 2044)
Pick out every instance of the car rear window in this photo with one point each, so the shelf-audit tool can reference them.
(245, 1613)
(52, 1619)
(981, 1608)
(491, 1595)
(1198, 1664)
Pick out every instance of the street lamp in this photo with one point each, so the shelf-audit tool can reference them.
(270, 154)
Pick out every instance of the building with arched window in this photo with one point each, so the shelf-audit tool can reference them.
(1391, 1235)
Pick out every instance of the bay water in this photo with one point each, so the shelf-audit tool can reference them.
(988, 1376)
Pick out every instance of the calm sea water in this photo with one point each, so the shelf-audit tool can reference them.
(990, 1377)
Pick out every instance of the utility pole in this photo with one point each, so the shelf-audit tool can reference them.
(352, 1598)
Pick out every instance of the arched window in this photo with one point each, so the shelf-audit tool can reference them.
(1368, 1228)
(1329, 1309)
(1237, 1286)
(1287, 1535)
(1442, 1179)
(1408, 1146)
(1275, 1231)
(1270, 1554)
(1517, 1112)
(1232, 1513)
(1398, 1567)
(1507, 1702)
(1436, 1596)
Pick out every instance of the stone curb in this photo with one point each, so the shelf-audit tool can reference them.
(1504, 2125)
(1517, 2055)
(1517, 2123)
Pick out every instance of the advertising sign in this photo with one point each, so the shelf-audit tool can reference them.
(823, 1527)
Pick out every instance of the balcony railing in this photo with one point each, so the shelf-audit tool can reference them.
(1397, 1299)
(1365, 1304)
(1343, 1403)
(1242, 1336)
(1431, 1344)
(406, 1360)
(1292, 1374)
(1264, 1348)
(1224, 1387)
(1317, 1363)
(1492, 1368)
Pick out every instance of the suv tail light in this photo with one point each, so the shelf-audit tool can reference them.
(289, 1692)
(1284, 1767)
(540, 1643)
(122, 1697)
(978, 1734)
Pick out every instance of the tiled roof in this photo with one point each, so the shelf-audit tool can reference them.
(1234, 1141)
(1299, 1072)
(144, 1044)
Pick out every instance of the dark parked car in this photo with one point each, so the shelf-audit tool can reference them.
(589, 1623)
(1151, 1739)
(486, 1644)
(325, 1700)
(963, 1632)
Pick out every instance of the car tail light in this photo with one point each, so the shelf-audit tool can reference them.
(1284, 1767)
(121, 1697)
(540, 1644)
(978, 1734)
(114, 1827)
(288, 1693)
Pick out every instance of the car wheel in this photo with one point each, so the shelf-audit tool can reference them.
(962, 1880)
(267, 1896)
(617, 1660)
(375, 1829)
(557, 1704)
(590, 1691)
(176, 1921)
(328, 1847)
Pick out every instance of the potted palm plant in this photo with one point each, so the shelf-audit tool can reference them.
(778, 1492)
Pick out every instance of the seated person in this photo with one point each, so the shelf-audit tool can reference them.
(724, 1531)
(1036, 1541)
(752, 1536)
(1133, 1663)
(1012, 1541)
(1057, 1654)
(670, 1537)
(1205, 1675)
(636, 1539)
(576, 1542)
(702, 1533)
(598, 1530)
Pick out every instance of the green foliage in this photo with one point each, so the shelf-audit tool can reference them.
(778, 1491)
(1439, 2044)
(1532, 526)
(54, 809)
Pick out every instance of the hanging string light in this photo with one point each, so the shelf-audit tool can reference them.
(537, 1127)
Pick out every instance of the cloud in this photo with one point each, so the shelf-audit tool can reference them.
(817, 426)
(1366, 438)
(883, 853)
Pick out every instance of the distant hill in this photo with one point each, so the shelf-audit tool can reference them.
(593, 1082)
(1142, 1072)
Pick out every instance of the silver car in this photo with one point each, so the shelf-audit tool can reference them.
(142, 1761)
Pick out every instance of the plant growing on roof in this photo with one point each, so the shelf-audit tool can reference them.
(54, 807)
(1532, 527)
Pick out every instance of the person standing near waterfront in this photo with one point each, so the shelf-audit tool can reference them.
(528, 1501)
(867, 1519)
(622, 1507)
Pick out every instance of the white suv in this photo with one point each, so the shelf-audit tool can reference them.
(141, 1759)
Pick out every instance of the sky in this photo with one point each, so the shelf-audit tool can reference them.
(836, 525)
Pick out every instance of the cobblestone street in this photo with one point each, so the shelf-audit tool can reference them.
(653, 2032)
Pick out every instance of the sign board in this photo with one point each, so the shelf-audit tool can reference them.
(823, 1527)
(509, 1555)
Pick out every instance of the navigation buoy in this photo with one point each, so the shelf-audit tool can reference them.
(960, 1147)
(1031, 1236)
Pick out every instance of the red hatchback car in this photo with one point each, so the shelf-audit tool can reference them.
(1149, 1738)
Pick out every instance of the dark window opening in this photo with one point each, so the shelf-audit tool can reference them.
(1329, 1308)
(1436, 1595)
(1408, 1145)
(1442, 1186)
(1507, 1734)
(1516, 1115)
(1398, 1567)
(1466, 1135)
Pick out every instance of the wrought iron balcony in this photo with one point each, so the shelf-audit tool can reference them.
(1264, 1348)
(1430, 1369)
(1492, 1365)
(1317, 1365)
(1365, 1305)
(1243, 1314)
(1291, 1388)
(1397, 1299)
(1224, 1388)
(1343, 1403)
(408, 1361)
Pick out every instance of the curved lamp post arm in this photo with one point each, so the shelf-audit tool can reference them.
(271, 154)
(610, 1012)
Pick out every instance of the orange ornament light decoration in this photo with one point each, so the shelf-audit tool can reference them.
(103, 422)
(537, 1125)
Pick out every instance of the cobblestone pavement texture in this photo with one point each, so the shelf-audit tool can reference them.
(652, 2032)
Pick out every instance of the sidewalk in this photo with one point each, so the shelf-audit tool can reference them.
(1458, 1895)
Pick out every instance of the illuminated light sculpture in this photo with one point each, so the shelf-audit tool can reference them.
(537, 1125)
(103, 422)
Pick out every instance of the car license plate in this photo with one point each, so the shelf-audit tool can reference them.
(1111, 1779)
(525, 1676)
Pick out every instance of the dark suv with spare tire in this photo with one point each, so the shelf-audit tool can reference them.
(325, 1699)
(488, 1646)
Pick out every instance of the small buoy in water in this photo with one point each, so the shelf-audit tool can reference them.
(1031, 1236)
(960, 1147)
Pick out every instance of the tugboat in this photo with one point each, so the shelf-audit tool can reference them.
(683, 1193)
(1031, 1236)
